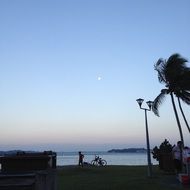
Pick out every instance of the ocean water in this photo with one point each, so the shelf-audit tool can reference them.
(71, 158)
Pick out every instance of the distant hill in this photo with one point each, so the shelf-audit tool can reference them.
(128, 150)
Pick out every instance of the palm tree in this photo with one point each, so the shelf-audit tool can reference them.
(184, 94)
(158, 101)
(175, 75)
(180, 107)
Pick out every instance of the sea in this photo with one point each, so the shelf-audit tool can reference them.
(71, 158)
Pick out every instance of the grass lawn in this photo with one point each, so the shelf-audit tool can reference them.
(115, 178)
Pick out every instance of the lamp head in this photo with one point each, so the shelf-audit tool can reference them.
(150, 103)
(140, 101)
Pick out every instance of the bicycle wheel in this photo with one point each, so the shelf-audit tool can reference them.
(103, 162)
(94, 162)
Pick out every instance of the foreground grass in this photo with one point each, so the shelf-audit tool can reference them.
(115, 178)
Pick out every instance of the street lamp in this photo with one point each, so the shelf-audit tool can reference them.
(149, 103)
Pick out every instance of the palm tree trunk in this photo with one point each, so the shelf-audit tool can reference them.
(177, 118)
(183, 114)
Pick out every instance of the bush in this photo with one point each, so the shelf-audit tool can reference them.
(163, 154)
(165, 147)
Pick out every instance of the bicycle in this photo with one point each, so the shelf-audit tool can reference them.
(98, 161)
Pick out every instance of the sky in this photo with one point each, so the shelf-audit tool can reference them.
(71, 71)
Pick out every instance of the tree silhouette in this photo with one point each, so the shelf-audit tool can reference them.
(176, 76)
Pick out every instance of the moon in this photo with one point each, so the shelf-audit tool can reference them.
(99, 78)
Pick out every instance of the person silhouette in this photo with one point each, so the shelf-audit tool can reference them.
(81, 157)
(177, 156)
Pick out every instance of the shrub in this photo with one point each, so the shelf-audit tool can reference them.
(165, 147)
(163, 154)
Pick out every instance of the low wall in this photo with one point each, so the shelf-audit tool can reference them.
(40, 180)
(22, 162)
(28, 171)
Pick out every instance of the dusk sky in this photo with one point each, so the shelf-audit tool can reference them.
(71, 71)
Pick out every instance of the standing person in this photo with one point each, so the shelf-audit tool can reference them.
(81, 157)
(177, 156)
(186, 159)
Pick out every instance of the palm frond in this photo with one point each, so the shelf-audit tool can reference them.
(184, 80)
(177, 61)
(175, 67)
(158, 101)
(184, 96)
(160, 68)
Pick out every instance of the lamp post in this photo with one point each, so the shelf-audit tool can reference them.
(149, 103)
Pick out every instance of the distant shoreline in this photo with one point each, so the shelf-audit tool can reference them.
(128, 150)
